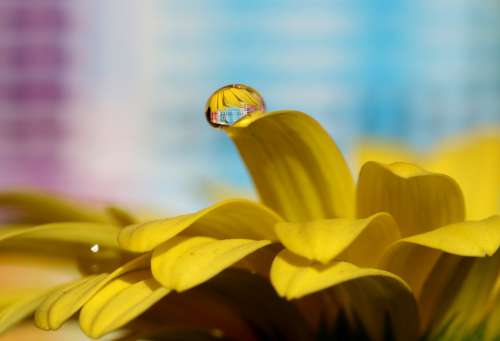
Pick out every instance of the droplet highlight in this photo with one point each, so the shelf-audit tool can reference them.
(95, 248)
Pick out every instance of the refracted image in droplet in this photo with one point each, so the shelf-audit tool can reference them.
(231, 103)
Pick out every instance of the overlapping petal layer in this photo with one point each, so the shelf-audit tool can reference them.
(413, 258)
(456, 298)
(295, 165)
(366, 291)
(452, 271)
(184, 262)
(58, 307)
(16, 311)
(418, 200)
(492, 328)
(121, 300)
(227, 219)
(294, 276)
(360, 241)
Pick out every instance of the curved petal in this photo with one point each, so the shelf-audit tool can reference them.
(120, 301)
(414, 257)
(80, 232)
(20, 309)
(39, 207)
(418, 200)
(361, 241)
(184, 262)
(60, 306)
(47, 315)
(474, 162)
(365, 291)
(296, 166)
(456, 297)
(492, 329)
(294, 276)
(471, 238)
(227, 219)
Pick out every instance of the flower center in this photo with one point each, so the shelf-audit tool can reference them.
(231, 103)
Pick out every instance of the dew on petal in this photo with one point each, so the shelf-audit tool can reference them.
(231, 103)
(94, 248)
(95, 259)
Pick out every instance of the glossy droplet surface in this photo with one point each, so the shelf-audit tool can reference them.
(95, 259)
(231, 103)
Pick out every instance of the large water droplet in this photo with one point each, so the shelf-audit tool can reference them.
(231, 103)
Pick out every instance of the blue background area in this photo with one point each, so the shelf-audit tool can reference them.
(410, 71)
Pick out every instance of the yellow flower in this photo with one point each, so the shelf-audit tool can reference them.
(392, 255)
(300, 174)
(474, 162)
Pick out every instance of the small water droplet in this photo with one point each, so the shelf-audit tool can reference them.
(95, 258)
(231, 103)
(94, 248)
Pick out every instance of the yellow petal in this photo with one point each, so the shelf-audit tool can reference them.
(492, 329)
(20, 309)
(367, 292)
(38, 207)
(120, 301)
(294, 276)
(57, 307)
(60, 306)
(362, 241)
(363, 300)
(184, 262)
(418, 200)
(413, 258)
(296, 167)
(474, 162)
(79, 232)
(455, 299)
(227, 219)
(471, 238)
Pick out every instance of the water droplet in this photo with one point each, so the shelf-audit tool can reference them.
(231, 103)
(94, 248)
(95, 258)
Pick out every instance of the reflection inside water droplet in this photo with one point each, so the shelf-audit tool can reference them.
(231, 103)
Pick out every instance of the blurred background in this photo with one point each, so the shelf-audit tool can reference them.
(105, 99)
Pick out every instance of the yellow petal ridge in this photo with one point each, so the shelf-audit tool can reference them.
(184, 262)
(60, 306)
(418, 200)
(293, 276)
(360, 241)
(20, 309)
(413, 258)
(119, 302)
(227, 219)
